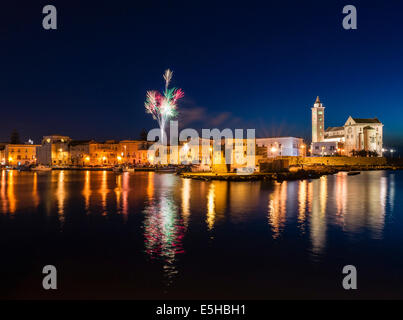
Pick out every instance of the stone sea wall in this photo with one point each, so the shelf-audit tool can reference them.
(336, 161)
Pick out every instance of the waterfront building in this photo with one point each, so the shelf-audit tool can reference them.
(2, 154)
(54, 151)
(363, 134)
(80, 152)
(134, 152)
(104, 153)
(282, 146)
(327, 148)
(357, 134)
(189, 153)
(20, 154)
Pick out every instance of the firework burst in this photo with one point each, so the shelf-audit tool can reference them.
(163, 107)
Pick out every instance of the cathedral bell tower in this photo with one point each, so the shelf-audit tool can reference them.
(318, 121)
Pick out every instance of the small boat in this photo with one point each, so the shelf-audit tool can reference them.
(128, 169)
(41, 168)
(117, 169)
(353, 173)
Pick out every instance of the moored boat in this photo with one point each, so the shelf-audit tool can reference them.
(128, 169)
(117, 169)
(41, 168)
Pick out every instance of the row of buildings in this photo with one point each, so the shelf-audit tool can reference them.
(59, 150)
(357, 134)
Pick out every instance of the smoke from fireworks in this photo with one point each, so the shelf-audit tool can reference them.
(163, 107)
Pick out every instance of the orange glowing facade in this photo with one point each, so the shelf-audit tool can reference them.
(19, 154)
(111, 152)
(54, 151)
(133, 152)
(93, 153)
(2, 155)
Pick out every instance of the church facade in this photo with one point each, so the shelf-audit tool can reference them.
(357, 134)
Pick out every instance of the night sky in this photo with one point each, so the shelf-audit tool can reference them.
(256, 65)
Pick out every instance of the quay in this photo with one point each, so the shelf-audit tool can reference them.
(139, 169)
(284, 175)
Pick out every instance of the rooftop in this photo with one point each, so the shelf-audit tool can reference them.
(334, 129)
(362, 120)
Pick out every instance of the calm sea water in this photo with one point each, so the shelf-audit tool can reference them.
(149, 236)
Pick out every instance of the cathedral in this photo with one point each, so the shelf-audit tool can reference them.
(357, 134)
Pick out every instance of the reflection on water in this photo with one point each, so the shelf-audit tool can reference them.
(171, 207)
(186, 201)
(391, 191)
(164, 229)
(35, 196)
(3, 196)
(302, 196)
(318, 224)
(103, 191)
(278, 208)
(125, 193)
(60, 196)
(354, 203)
(87, 190)
(12, 202)
(365, 204)
(211, 207)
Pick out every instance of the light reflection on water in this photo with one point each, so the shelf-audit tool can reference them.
(171, 207)
(355, 203)
(164, 229)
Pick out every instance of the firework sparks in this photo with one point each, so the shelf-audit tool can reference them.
(163, 107)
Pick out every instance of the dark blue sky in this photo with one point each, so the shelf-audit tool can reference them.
(252, 65)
